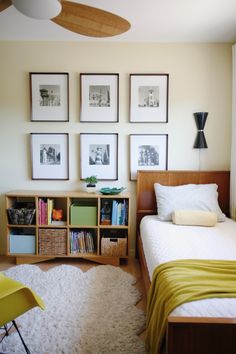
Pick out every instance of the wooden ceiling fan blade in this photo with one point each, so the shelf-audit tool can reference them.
(4, 4)
(90, 21)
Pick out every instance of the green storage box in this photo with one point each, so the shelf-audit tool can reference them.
(85, 215)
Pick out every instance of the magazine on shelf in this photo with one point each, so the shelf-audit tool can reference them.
(81, 242)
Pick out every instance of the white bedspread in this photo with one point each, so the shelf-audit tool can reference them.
(165, 241)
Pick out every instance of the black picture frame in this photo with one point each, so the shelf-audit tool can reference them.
(49, 96)
(149, 95)
(50, 156)
(148, 152)
(99, 98)
(99, 155)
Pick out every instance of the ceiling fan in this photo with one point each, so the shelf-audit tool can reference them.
(79, 18)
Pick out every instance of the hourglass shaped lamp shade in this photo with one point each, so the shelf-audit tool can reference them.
(200, 119)
(38, 9)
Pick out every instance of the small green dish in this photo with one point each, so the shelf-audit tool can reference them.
(107, 190)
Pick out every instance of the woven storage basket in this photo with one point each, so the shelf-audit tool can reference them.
(52, 241)
(114, 246)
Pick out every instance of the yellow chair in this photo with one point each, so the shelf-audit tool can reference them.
(16, 299)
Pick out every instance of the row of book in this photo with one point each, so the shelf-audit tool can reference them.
(45, 206)
(81, 242)
(119, 213)
(114, 212)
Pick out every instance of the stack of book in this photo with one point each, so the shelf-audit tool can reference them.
(81, 242)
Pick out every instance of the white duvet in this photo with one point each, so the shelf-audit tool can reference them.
(165, 241)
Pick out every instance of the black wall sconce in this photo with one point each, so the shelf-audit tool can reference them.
(200, 119)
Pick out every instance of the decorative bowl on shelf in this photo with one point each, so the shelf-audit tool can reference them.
(107, 190)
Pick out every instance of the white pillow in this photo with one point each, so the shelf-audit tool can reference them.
(188, 196)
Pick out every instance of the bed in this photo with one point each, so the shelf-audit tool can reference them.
(208, 328)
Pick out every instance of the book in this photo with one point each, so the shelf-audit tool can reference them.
(58, 222)
(114, 212)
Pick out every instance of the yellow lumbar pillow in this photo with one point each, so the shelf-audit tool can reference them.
(194, 218)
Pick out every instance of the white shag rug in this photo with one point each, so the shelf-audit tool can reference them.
(89, 312)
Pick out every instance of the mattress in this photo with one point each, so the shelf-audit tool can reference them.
(165, 241)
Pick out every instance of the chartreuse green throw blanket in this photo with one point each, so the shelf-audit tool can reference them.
(180, 281)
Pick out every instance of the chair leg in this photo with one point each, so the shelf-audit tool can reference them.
(22, 340)
(6, 330)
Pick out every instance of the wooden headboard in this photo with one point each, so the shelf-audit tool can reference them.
(146, 200)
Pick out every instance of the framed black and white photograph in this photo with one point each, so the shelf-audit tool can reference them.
(99, 156)
(148, 152)
(50, 156)
(49, 94)
(99, 98)
(149, 98)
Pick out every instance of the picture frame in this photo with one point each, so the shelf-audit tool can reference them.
(99, 155)
(49, 97)
(149, 94)
(50, 156)
(99, 98)
(148, 152)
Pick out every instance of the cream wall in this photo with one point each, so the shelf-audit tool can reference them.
(200, 79)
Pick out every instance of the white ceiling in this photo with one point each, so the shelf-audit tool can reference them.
(151, 20)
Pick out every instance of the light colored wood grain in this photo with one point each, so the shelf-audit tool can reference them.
(64, 200)
(90, 21)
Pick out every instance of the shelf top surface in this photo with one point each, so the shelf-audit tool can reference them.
(71, 194)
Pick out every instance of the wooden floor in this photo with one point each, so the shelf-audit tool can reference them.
(131, 266)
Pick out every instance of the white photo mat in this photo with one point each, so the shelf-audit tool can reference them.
(99, 156)
(99, 97)
(149, 98)
(148, 152)
(50, 156)
(49, 97)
